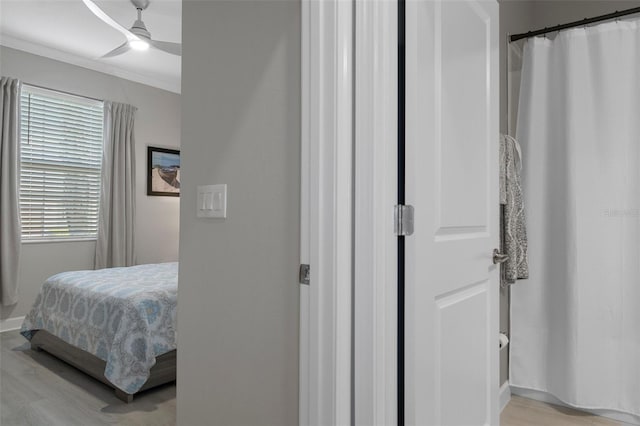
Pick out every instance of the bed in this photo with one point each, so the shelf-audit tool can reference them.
(116, 324)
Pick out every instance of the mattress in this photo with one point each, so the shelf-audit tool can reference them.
(124, 316)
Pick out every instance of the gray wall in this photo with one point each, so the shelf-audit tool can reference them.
(157, 123)
(547, 13)
(239, 302)
(515, 17)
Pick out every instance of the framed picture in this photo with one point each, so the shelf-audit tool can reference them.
(163, 172)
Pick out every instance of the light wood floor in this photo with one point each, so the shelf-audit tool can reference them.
(38, 389)
(527, 412)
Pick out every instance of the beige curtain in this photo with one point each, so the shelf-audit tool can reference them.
(9, 189)
(115, 243)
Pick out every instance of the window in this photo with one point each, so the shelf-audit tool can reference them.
(61, 157)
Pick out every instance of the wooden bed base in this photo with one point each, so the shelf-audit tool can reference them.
(164, 371)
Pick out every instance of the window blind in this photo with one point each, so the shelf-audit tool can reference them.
(61, 158)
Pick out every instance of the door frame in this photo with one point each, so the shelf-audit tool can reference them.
(376, 186)
(348, 314)
(326, 212)
(349, 141)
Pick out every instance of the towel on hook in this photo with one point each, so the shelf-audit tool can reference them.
(514, 232)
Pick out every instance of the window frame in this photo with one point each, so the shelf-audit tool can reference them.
(76, 101)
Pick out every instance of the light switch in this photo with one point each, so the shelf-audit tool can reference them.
(217, 202)
(212, 201)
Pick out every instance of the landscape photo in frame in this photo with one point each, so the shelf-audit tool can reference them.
(163, 172)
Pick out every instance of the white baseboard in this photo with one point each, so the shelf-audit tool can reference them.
(11, 324)
(505, 395)
(627, 419)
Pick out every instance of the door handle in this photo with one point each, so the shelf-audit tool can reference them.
(499, 257)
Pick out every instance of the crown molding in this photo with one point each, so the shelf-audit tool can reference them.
(94, 65)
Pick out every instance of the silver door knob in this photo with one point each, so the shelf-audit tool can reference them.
(499, 257)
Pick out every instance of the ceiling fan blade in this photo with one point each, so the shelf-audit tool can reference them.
(124, 47)
(167, 46)
(108, 20)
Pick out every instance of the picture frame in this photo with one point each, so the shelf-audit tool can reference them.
(163, 172)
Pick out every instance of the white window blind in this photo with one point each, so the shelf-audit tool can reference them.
(61, 157)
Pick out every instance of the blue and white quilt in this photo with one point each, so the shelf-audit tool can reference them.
(124, 316)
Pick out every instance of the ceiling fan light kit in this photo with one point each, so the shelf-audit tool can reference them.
(139, 45)
(140, 30)
(138, 37)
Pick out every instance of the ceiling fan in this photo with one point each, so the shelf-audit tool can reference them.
(138, 37)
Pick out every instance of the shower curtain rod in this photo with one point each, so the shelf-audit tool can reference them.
(586, 21)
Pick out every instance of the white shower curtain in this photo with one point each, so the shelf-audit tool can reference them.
(575, 327)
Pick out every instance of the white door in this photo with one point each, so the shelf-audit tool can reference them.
(451, 310)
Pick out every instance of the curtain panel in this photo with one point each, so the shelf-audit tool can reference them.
(10, 243)
(115, 243)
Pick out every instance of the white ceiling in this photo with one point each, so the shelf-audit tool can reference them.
(66, 30)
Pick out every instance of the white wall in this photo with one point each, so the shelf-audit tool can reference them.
(157, 124)
(239, 297)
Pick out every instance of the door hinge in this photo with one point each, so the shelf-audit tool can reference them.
(305, 274)
(403, 220)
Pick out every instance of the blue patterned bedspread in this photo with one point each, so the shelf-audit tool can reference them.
(124, 316)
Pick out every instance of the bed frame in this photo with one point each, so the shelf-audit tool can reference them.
(164, 371)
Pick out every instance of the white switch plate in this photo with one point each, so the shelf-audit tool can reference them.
(212, 201)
